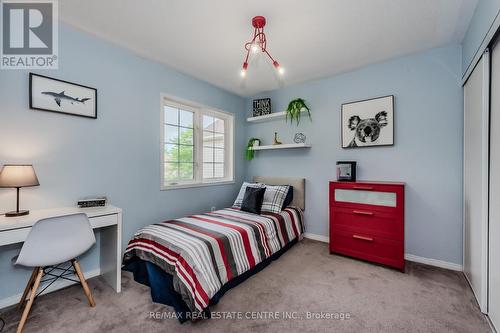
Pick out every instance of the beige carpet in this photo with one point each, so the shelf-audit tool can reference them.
(305, 279)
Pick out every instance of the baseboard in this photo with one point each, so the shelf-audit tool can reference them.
(434, 262)
(409, 257)
(59, 284)
(320, 238)
(492, 326)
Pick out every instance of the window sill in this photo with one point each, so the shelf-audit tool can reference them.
(180, 186)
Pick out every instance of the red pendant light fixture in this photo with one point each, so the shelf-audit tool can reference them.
(258, 44)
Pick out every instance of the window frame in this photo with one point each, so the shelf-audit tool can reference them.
(199, 111)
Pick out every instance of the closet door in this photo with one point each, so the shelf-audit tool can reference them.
(476, 124)
(494, 218)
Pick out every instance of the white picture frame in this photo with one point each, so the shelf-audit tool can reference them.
(368, 123)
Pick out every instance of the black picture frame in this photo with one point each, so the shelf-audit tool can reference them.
(261, 107)
(352, 165)
(392, 122)
(60, 109)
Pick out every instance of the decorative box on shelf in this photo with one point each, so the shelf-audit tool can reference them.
(367, 221)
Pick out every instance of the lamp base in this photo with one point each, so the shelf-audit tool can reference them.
(19, 213)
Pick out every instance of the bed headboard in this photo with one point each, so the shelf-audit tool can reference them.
(299, 187)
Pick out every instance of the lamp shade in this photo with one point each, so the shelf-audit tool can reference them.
(15, 175)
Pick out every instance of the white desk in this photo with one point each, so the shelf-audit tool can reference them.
(107, 219)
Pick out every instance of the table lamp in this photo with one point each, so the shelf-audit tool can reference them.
(17, 176)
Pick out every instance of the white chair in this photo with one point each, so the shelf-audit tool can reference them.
(51, 243)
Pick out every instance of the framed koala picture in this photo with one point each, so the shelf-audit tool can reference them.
(368, 123)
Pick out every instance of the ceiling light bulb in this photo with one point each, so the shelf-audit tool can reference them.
(243, 72)
(280, 69)
(255, 48)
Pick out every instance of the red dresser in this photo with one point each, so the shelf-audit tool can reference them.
(367, 221)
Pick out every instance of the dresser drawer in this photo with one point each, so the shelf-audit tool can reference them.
(372, 222)
(367, 247)
(386, 198)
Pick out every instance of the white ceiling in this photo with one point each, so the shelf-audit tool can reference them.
(310, 38)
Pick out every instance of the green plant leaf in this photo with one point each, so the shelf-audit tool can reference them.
(294, 108)
(249, 152)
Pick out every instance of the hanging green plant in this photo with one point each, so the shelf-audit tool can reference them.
(294, 110)
(249, 152)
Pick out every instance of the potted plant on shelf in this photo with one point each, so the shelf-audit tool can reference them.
(294, 109)
(249, 152)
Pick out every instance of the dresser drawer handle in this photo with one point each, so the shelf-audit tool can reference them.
(368, 239)
(362, 212)
(362, 188)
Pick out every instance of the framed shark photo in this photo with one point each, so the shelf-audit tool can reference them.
(49, 94)
(368, 123)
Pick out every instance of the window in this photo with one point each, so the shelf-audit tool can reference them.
(197, 144)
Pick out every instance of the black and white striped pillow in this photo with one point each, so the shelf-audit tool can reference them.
(274, 197)
(241, 194)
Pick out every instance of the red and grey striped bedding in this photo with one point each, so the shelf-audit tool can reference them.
(203, 252)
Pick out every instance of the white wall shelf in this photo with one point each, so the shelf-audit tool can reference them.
(268, 117)
(283, 146)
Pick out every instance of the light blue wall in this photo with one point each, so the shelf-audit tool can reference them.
(427, 154)
(116, 155)
(484, 15)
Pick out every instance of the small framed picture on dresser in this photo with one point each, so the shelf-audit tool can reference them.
(53, 95)
(346, 171)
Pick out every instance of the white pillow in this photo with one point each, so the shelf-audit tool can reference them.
(274, 197)
(241, 194)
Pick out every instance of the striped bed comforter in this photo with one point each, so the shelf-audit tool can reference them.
(203, 252)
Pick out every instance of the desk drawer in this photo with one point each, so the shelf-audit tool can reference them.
(373, 222)
(368, 247)
(14, 236)
(19, 235)
(103, 221)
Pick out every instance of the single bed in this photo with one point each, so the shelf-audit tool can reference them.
(189, 263)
